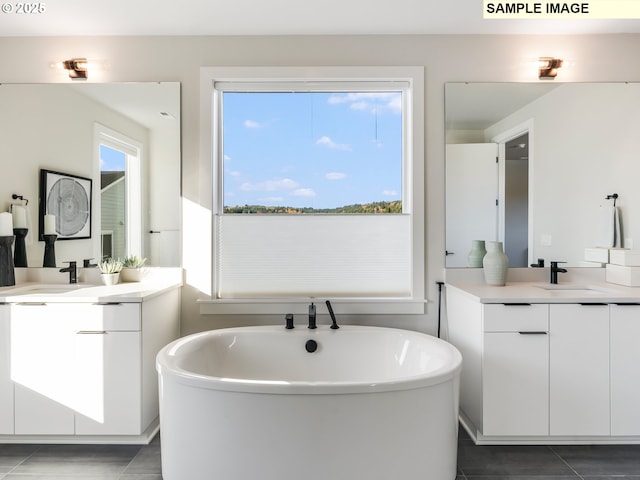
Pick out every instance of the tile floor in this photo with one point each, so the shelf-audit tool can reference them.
(553, 462)
(134, 462)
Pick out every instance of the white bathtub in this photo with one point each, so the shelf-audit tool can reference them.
(252, 403)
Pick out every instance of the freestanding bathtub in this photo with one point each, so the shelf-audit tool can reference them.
(266, 403)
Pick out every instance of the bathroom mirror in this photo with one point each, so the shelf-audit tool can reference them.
(81, 129)
(570, 145)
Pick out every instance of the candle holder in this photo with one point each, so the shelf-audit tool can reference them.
(7, 273)
(20, 249)
(49, 250)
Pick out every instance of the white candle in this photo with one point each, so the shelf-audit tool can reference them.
(19, 216)
(49, 224)
(6, 224)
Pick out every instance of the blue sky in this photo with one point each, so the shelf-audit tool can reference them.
(320, 150)
(111, 160)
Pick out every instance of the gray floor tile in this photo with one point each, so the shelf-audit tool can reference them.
(601, 460)
(523, 477)
(147, 461)
(46, 476)
(510, 460)
(89, 460)
(141, 477)
(13, 454)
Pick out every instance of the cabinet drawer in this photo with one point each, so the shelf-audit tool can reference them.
(516, 317)
(98, 317)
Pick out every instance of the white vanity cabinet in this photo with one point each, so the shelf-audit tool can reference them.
(515, 369)
(42, 363)
(625, 369)
(108, 343)
(6, 385)
(87, 370)
(579, 369)
(560, 372)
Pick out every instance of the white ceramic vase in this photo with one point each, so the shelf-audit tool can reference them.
(110, 278)
(129, 274)
(495, 264)
(477, 253)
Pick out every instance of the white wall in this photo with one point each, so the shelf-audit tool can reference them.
(445, 58)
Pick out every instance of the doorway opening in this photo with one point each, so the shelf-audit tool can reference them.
(516, 200)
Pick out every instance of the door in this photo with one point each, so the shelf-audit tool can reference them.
(471, 196)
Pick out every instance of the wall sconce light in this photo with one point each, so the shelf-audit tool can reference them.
(548, 68)
(78, 68)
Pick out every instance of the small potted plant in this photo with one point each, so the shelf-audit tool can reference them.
(132, 269)
(110, 269)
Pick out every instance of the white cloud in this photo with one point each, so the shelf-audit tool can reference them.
(233, 173)
(269, 185)
(252, 124)
(370, 101)
(335, 176)
(303, 192)
(327, 142)
(389, 193)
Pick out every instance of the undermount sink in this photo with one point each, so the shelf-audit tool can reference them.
(584, 289)
(48, 289)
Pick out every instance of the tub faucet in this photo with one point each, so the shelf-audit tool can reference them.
(555, 271)
(73, 272)
(312, 316)
(334, 321)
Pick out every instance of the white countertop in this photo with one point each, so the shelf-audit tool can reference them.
(50, 292)
(541, 292)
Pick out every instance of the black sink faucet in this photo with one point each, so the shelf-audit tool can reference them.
(312, 316)
(555, 271)
(73, 272)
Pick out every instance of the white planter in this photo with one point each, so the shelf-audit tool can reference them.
(130, 274)
(110, 278)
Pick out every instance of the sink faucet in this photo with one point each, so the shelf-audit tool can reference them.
(312, 316)
(86, 263)
(555, 271)
(73, 272)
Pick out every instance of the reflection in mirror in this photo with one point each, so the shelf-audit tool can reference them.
(561, 149)
(79, 129)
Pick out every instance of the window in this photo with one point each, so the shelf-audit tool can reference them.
(318, 184)
(120, 193)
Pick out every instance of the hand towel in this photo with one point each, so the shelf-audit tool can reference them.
(608, 225)
(617, 231)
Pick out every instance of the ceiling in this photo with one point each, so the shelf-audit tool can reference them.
(283, 17)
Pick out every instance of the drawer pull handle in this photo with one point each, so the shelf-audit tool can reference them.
(516, 304)
(107, 303)
(594, 304)
(91, 332)
(533, 333)
(31, 304)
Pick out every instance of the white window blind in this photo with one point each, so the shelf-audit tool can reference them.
(315, 255)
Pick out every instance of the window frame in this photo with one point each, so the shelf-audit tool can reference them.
(133, 150)
(413, 177)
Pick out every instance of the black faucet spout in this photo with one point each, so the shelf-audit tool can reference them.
(72, 270)
(555, 270)
(312, 316)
